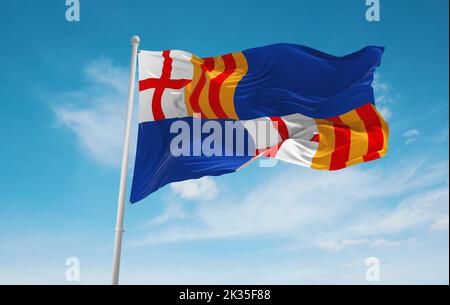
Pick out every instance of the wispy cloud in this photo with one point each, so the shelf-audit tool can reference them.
(96, 113)
(383, 243)
(440, 136)
(411, 133)
(355, 215)
(385, 111)
(418, 210)
(441, 224)
(383, 96)
(411, 136)
(337, 246)
(383, 90)
(173, 211)
(204, 187)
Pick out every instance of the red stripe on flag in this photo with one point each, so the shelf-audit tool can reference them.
(280, 126)
(156, 82)
(208, 65)
(342, 142)
(158, 113)
(372, 156)
(315, 138)
(374, 131)
(216, 83)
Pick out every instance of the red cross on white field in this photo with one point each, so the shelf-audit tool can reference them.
(160, 84)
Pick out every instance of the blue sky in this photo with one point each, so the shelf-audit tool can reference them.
(63, 93)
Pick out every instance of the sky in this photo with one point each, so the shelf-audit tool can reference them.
(63, 89)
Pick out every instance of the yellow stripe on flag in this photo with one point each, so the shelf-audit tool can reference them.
(385, 129)
(322, 158)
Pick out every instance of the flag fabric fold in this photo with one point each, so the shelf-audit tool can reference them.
(325, 144)
(274, 80)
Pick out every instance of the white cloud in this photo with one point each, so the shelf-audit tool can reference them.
(385, 112)
(440, 136)
(383, 243)
(174, 210)
(441, 224)
(409, 141)
(102, 71)
(383, 96)
(382, 90)
(415, 211)
(337, 246)
(96, 113)
(314, 203)
(203, 188)
(411, 133)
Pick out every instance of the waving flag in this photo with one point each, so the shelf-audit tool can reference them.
(274, 80)
(283, 101)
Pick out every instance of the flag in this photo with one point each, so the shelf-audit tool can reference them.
(274, 80)
(178, 149)
(211, 116)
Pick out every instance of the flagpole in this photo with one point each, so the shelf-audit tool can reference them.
(123, 173)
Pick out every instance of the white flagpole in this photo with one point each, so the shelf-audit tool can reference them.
(123, 174)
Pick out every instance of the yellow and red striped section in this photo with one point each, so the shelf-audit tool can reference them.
(214, 82)
(357, 136)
